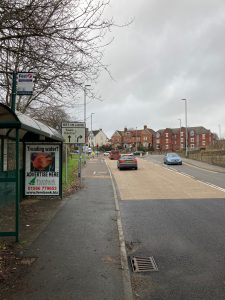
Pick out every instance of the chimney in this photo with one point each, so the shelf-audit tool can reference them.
(145, 127)
(125, 129)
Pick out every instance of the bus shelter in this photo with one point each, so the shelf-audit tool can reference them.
(30, 164)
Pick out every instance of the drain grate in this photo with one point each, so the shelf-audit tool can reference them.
(143, 264)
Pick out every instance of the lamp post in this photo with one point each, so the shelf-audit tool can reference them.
(186, 131)
(91, 130)
(91, 120)
(136, 138)
(85, 95)
(180, 133)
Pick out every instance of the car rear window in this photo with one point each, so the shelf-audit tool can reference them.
(128, 157)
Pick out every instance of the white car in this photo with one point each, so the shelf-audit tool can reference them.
(106, 153)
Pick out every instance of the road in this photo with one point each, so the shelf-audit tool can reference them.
(174, 215)
(209, 174)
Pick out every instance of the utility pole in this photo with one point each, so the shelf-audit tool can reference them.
(180, 133)
(136, 138)
(186, 130)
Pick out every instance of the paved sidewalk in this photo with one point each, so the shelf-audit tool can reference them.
(79, 254)
(203, 165)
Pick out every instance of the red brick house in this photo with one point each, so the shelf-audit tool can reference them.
(174, 139)
(132, 139)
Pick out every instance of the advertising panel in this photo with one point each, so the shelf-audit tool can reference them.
(42, 169)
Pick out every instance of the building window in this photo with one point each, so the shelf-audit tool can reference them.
(182, 146)
(167, 146)
(182, 140)
(167, 141)
(192, 146)
(203, 143)
(181, 134)
(192, 140)
(166, 134)
(203, 136)
(158, 141)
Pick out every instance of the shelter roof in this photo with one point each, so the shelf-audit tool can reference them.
(10, 120)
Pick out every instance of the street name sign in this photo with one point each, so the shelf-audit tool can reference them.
(73, 132)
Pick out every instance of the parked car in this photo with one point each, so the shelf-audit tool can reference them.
(127, 162)
(114, 154)
(138, 153)
(172, 159)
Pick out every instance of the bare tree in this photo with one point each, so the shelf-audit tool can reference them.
(52, 117)
(60, 40)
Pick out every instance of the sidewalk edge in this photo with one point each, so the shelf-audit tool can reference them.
(128, 292)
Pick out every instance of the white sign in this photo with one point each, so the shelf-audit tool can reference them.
(73, 124)
(42, 169)
(24, 83)
(73, 133)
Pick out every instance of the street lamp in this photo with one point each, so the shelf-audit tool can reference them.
(186, 131)
(136, 138)
(91, 130)
(180, 133)
(85, 94)
(91, 120)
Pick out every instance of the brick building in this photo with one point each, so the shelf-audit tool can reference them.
(132, 139)
(174, 139)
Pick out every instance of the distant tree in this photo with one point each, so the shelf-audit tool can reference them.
(53, 116)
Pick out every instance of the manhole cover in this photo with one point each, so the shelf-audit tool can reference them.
(143, 264)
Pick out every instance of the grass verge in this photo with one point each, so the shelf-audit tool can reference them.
(71, 181)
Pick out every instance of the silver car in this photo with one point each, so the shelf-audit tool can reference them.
(172, 159)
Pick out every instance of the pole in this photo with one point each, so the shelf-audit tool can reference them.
(85, 105)
(91, 121)
(13, 96)
(180, 133)
(136, 138)
(186, 130)
(66, 164)
(17, 185)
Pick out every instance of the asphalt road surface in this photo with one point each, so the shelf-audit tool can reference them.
(179, 221)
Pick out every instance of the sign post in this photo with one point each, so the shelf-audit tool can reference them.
(74, 133)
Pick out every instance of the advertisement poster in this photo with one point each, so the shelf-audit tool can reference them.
(42, 170)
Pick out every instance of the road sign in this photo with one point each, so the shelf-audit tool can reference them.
(25, 83)
(73, 132)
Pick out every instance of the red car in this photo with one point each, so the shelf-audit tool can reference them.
(114, 154)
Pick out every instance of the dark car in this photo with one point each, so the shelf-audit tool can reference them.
(114, 154)
(127, 162)
(172, 159)
(138, 153)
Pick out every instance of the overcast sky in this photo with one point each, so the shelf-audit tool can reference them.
(172, 50)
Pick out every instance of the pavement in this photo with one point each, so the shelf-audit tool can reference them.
(203, 165)
(81, 253)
